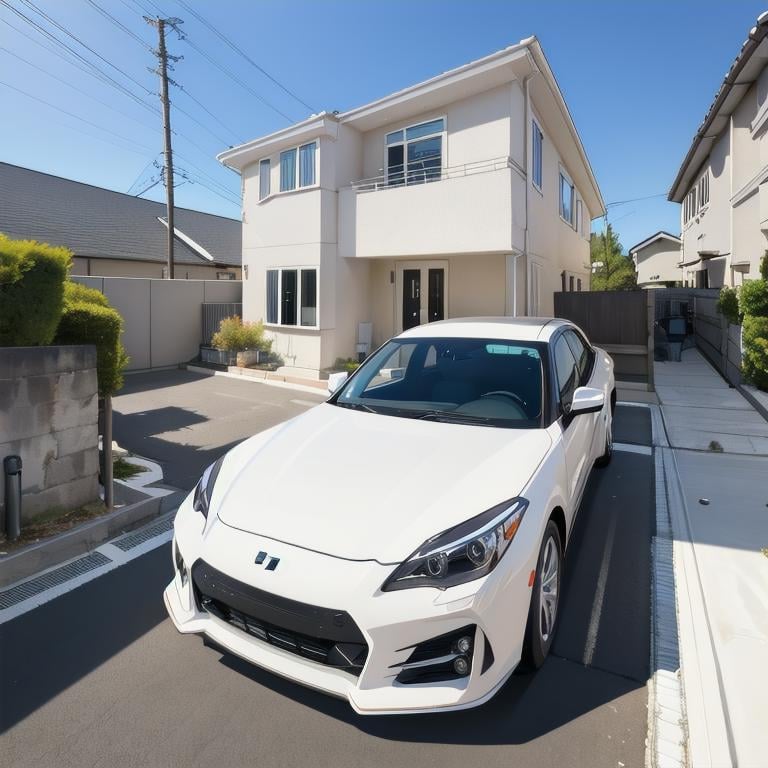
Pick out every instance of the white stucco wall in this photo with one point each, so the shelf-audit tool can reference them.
(657, 263)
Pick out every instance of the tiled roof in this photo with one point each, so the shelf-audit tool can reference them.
(99, 223)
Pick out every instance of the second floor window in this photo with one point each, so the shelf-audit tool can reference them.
(537, 155)
(415, 153)
(264, 170)
(566, 198)
(307, 165)
(288, 170)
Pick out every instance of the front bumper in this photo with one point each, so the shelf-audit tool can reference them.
(392, 623)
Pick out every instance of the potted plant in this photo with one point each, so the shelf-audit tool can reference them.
(237, 343)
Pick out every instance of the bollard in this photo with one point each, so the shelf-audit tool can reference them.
(12, 468)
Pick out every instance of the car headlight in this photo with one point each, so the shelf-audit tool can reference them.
(204, 488)
(466, 552)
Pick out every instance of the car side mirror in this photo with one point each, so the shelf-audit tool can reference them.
(587, 400)
(335, 380)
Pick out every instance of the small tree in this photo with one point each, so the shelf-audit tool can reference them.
(611, 269)
(32, 279)
(234, 336)
(728, 304)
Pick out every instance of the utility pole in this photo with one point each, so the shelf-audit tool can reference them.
(163, 56)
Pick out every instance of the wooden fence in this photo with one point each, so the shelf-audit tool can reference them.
(621, 322)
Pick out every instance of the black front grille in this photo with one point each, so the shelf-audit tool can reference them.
(323, 635)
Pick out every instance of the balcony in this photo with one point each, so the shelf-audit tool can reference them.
(421, 210)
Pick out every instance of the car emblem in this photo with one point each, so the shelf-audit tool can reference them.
(271, 565)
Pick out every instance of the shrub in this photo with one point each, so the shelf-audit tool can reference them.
(84, 322)
(74, 292)
(349, 365)
(755, 343)
(728, 304)
(32, 279)
(235, 335)
(764, 266)
(753, 298)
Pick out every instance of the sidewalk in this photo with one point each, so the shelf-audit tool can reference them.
(719, 512)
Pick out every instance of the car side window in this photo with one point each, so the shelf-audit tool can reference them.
(566, 370)
(580, 352)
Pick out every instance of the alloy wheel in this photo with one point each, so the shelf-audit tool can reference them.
(550, 582)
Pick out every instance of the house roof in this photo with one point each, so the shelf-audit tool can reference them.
(523, 59)
(95, 222)
(738, 80)
(660, 235)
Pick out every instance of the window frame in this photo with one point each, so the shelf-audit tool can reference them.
(297, 187)
(262, 162)
(564, 176)
(563, 403)
(404, 142)
(537, 132)
(299, 269)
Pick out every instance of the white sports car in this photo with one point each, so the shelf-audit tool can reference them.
(401, 545)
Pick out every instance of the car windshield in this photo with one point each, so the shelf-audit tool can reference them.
(488, 382)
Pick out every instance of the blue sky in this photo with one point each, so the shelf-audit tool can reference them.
(637, 76)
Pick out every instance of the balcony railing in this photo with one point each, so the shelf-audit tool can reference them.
(423, 172)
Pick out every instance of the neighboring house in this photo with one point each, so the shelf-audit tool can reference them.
(657, 260)
(467, 194)
(113, 234)
(723, 181)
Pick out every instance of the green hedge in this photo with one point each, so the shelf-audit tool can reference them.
(74, 292)
(87, 322)
(755, 343)
(753, 298)
(32, 279)
(728, 304)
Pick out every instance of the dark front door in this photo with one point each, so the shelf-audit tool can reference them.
(411, 298)
(436, 304)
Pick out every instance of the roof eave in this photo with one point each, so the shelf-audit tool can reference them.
(721, 107)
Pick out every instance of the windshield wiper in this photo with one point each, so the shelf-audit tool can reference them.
(453, 416)
(356, 406)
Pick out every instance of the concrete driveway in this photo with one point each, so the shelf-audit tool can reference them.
(99, 676)
(185, 421)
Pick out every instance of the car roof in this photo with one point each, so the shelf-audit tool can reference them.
(507, 328)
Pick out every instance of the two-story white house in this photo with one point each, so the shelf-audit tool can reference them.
(723, 181)
(468, 194)
(657, 260)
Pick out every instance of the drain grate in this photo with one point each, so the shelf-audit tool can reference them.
(39, 584)
(145, 534)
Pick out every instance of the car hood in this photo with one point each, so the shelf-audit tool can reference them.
(364, 486)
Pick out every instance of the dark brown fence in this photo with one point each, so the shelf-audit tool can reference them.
(621, 322)
(214, 313)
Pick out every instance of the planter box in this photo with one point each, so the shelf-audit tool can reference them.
(243, 358)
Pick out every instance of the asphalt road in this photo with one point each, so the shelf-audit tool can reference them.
(99, 677)
(185, 421)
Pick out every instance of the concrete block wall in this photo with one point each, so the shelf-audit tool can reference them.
(48, 416)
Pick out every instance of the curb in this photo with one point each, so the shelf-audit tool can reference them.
(45, 554)
(747, 393)
(282, 382)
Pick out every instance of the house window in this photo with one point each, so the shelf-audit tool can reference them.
(292, 296)
(415, 153)
(264, 170)
(225, 275)
(690, 207)
(578, 284)
(704, 190)
(566, 198)
(538, 154)
(288, 170)
(570, 283)
(307, 165)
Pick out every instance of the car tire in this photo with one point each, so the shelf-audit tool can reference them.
(543, 612)
(605, 459)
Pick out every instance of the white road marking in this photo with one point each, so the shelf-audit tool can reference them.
(644, 450)
(117, 557)
(597, 606)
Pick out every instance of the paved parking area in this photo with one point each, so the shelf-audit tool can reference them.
(186, 420)
(99, 676)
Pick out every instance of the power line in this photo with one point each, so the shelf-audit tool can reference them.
(242, 53)
(119, 24)
(232, 76)
(76, 117)
(96, 72)
(74, 87)
(205, 109)
(195, 120)
(635, 199)
(150, 162)
(74, 37)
